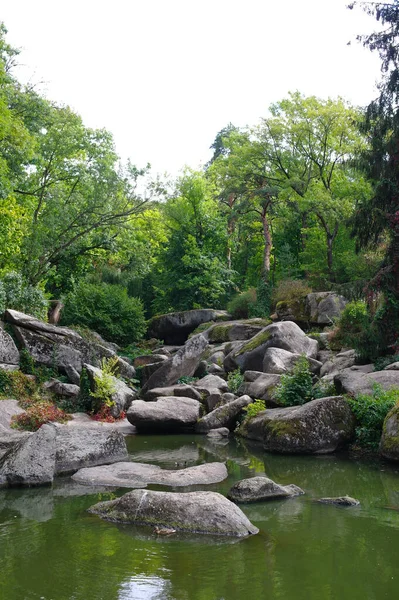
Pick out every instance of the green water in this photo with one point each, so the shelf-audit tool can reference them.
(51, 549)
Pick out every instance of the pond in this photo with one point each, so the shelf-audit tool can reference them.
(52, 549)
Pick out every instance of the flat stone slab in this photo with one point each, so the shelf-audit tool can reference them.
(194, 512)
(139, 475)
(257, 489)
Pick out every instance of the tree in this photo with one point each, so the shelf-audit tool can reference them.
(378, 217)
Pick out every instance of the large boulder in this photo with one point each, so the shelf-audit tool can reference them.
(258, 489)
(389, 445)
(9, 409)
(167, 414)
(223, 416)
(318, 427)
(174, 328)
(60, 347)
(193, 512)
(210, 383)
(31, 462)
(232, 331)
(279, 361)
(85, 446)
(182, 364)
(9, 354)
(122, 396)
(319, 308)
(285, 335)
(261, 387)
(139, 475)
(356, 382)
(337, 363)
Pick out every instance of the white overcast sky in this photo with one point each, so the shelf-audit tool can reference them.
(166, 75)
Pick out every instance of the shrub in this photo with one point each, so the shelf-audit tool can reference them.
(370, 411)
(17, 294)
(384, 361)
(37, 415)
(239, 306)
(261, 308)
(107, 309)
(16, 384)
(290, 290)
(104, 385)
(187, 380)
(295, 388)
(234, 380)
(254, 408)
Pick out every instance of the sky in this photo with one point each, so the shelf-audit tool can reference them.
(164, 76)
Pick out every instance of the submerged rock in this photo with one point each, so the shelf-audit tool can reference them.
(138, 475)
(256, 489)
(194, 512)
(340, 501)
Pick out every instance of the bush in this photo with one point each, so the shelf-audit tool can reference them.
(17, 294)
(354, 330)
(107, 309)
(104, 385)
(290, 290)
(370, 411)
(261, 308)
(234, 380)
(295, 388)
(254, 408)
(37, 415)
(240, 305)
(16, 384)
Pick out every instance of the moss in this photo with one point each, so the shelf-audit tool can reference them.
(201, 328)
(260, 338)
(220, 333)
(280, 428)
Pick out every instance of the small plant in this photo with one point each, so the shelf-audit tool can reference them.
(290, 290)
(187, 380)
(385, 361)
(104, 385)
(295, 388)
(370, 411)
(354, 329)
(254, 408)
(104, 415)
(324, 389)
(37, 415)
(235, 379)
(16, 384)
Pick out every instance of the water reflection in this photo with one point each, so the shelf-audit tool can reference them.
(144, 588)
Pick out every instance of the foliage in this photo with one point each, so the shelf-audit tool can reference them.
(104, 384)
(16, 384)
(370, 411)
(235, 379)
(324, 389)
(296, 387)
(384, 361)
(37, 415)
(290, 290)
(107, 309)
(104, 415)
(16, 293)
(186, 379)
(262, 306)
(254, 408)
(354, 330)
(240, 305)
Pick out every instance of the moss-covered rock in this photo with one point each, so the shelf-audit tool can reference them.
(389, 446)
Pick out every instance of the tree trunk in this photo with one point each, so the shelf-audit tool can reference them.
(268, 244)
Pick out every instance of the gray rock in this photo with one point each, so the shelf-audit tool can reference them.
(340, 501)
(355, 382)
(338, 363)
(83, 446)
(212, 382)
(392, 367)
(201, 370)
(123, 395)
(72, 375)
(9, 408)
(217, 358)
(252, 375)
(195, 512)
(232, 331)
(262, 387)
(139, 475)
(60, 388)
(228, 397)
(182, 364)
(168, 414)
(174, 328)
(213, 398)
(83, 419)
(8, 351)
(11, 438)
(285, 335)
(224, 416)
(220, 432)
(6, 367)
(32, 461)
(256, 489)
(279, 361)
(324, 307)
(214, 369)
(149, 359)
(318, 427)
(389, 445)
(181, 389)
